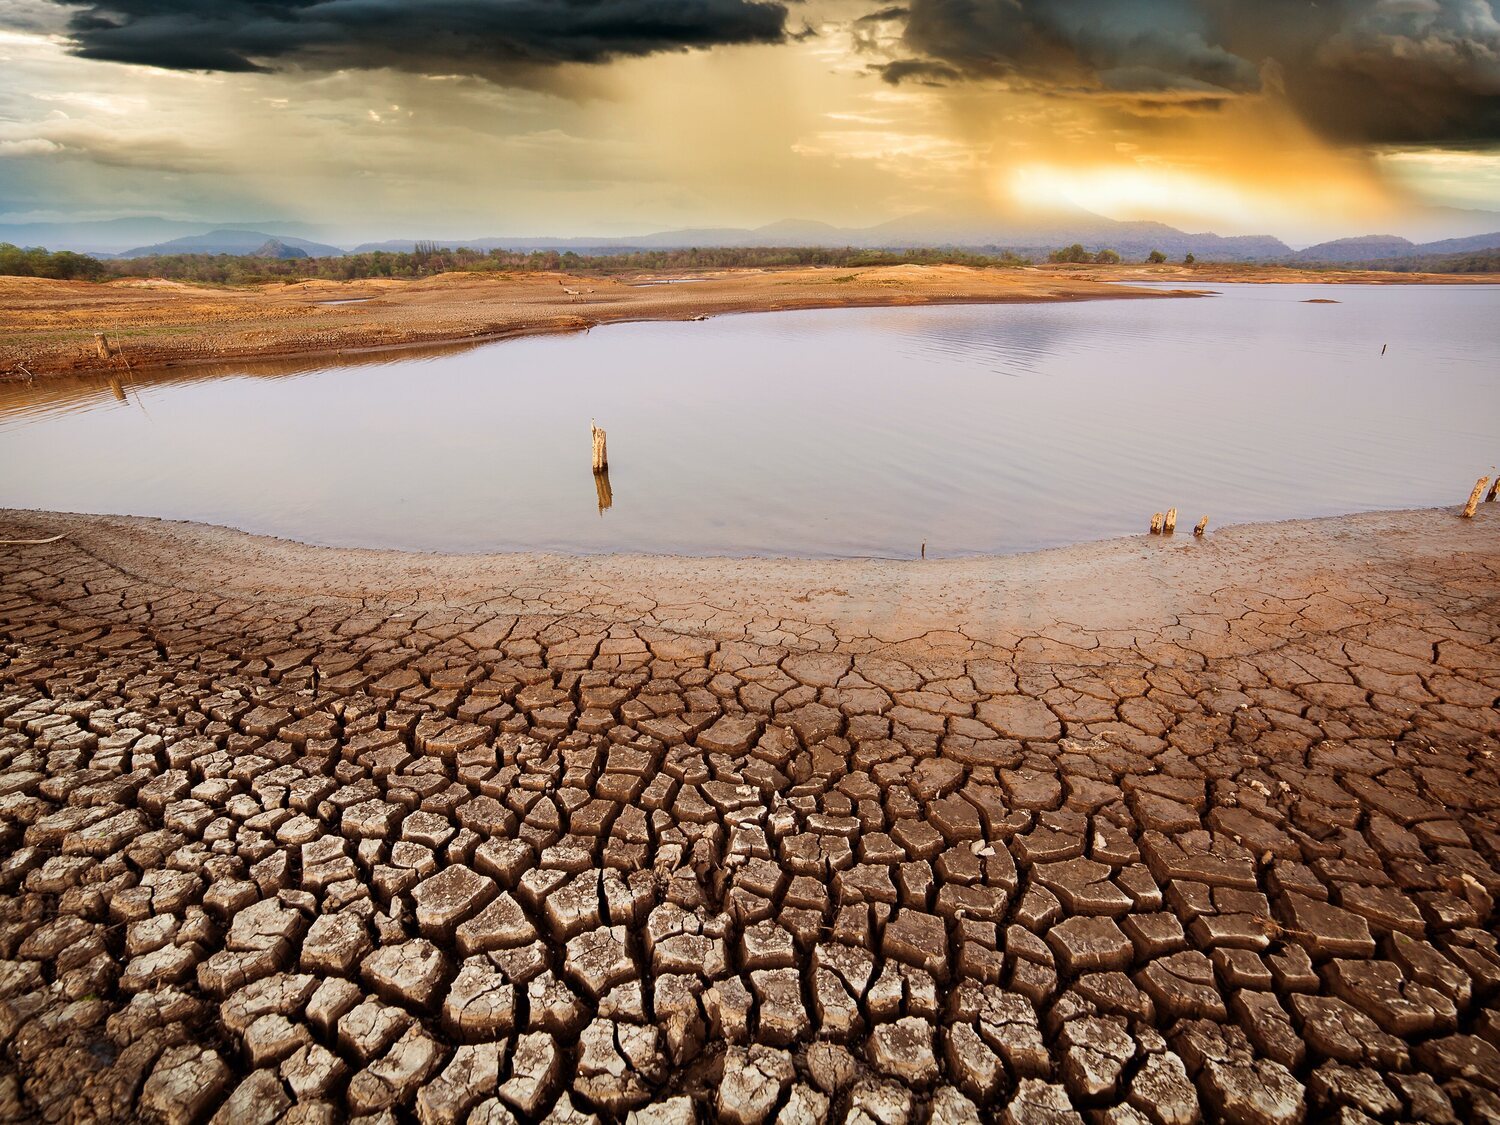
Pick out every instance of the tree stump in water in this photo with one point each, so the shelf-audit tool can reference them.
(1474, 498)
(1170, 525)
(1156, 522)
(1201, 528)
(601, 454)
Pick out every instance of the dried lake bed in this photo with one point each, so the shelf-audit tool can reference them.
(1151, 831)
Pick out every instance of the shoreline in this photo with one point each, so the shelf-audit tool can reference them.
(163, 325)
(446, 343)
(984, 596)
(47, 327)
(205, 530)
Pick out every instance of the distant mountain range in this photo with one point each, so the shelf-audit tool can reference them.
(110, 237)
(1382, 247)
(1466, 261)
(1133, 240)
(1031, 234)
(261, 244)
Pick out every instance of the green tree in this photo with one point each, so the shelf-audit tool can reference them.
(431, 257)
(1107, 258)
(37, 262)
(1074, 253)
(1190, 259)
(1156, 257)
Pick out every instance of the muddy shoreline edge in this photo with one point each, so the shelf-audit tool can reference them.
(1121, 582)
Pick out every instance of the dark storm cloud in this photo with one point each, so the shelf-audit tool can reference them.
(1076, 42)
(1382, 71)
(488, 38)
(919, 70)
(884, 15)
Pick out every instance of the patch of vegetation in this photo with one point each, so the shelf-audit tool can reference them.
(64, 265)
(426, 259)
(1470, 261)
(1078, 255)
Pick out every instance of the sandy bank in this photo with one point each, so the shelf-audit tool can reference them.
(47, 327)
(1131, 586)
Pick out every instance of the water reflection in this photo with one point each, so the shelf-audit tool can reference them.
(851, 432)
(606, 494)
(23, 402)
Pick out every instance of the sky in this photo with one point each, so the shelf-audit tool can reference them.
(466, 118)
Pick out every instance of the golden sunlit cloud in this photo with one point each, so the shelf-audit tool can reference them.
(1134, 192)
(907, 154)
(1464, 178)
(1196, 200)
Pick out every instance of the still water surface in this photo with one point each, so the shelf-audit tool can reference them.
(829, 433)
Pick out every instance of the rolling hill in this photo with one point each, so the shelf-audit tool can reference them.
(247, 242)
(106, 238)
(1031, 234)
(1389, 247)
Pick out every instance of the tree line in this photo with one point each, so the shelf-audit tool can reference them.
(63, 265)
(425, 259)
(1474, 261)
(1077, 254)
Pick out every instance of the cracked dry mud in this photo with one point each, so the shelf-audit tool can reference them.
(1137, 832)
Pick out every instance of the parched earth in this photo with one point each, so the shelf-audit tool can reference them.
(1147, 831)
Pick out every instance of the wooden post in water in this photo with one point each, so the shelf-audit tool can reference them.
(1489, 497)
(1170, 525)
(1474, 498)
(1201, 528)
(601, 454)
(1156, 523)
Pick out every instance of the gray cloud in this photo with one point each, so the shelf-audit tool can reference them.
(884, 15)
(494, 39)
(1366, 71)
(926, 71)
(1074, 42)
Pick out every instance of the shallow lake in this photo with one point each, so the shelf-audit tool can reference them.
(979, 428)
